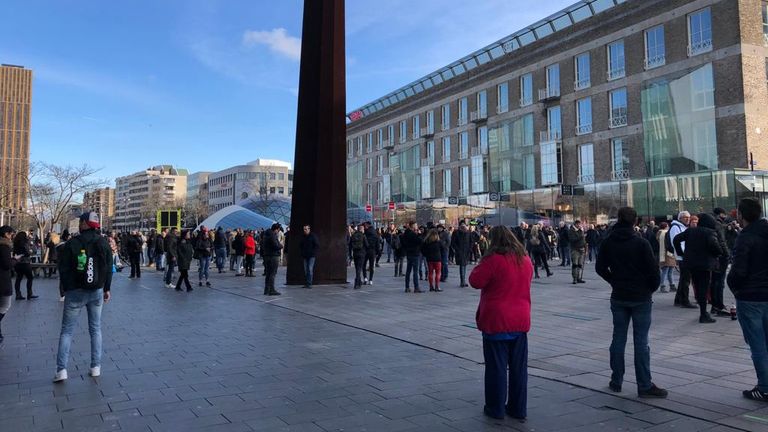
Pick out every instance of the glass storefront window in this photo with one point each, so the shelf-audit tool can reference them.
(550, 163)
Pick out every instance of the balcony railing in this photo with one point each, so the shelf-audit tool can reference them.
(427, 132)
(549, 136)
(502, 109)
(620, 175)
(582, 84)
(462, 121)
(429, 161)
(385, 171)
(546, 94)
(446, 158)
(444, 126)
(617, 73)
(618, 120)
(655, 61)
(463, 155)
(585, 179)
(389, 143)
(403, 138)
(702, 46)
(478, 116)
(584, 129)
(525, 101)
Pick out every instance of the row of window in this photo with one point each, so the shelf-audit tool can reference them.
(699, 41)
(262, 176)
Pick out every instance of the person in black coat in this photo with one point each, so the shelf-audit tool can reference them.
(6, 291)
(411, 241)
(308, 247)
(397, 251)
(160, 250)
(701, 257)
(625, 261)
(358, 243)
(238, 247)
(23, 267)
(431, 250)
(270, 251)
(718, 276)
(133, 247)
(537, 246)
(461, 243)
(373, 242)
(184, 260)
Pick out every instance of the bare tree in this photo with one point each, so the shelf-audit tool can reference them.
(194, 211)
(52, 188)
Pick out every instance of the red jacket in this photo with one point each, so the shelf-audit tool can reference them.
(250, 245)
(505, 294)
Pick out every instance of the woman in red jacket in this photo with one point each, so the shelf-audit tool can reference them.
(250, 253)
(504, 316)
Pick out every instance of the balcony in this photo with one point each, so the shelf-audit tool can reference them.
(620, 175)
(582, 84)
(462, 121)
(699, 47)
(385, 171)
(525, 101)
(478, 151)
(584, 129)
(500, 109)
(656, 61)
(548, 94)
(585, 179)
(550, 136)
(618, 120)
(446, 158)
(478, 116)
(445, 126)
(388, 144)
(428, 161)
(463, 155)
(614, 74)
(427, 132)
(403, 138)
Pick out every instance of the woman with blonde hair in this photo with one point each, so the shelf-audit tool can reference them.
(503, 277)
(431, 251)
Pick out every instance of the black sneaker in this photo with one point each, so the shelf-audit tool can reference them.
(755, 394)
(616, 388)
(407, 290)
(706, 319)
(418, 291)
(688, 306)
(653, 392)
(581, 281)
(189, 289)
(178, 288)
(275, 293)
(207, 283)
(200, 283)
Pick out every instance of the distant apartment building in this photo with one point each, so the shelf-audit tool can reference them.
(102, 201)
(658, 104)
(15, 113)
(139, 196)
(260, 178)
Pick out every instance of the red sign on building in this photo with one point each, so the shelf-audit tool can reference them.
(391, 205)
(368, 208)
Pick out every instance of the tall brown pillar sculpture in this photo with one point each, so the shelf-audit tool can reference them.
(320, 172)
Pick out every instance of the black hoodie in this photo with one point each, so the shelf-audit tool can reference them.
(748, 278)
(627, 263)
(702, 247)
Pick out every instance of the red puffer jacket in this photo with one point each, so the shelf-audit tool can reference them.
(250, 245)
(505, 293)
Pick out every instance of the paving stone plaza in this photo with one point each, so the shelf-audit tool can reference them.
(333, 359)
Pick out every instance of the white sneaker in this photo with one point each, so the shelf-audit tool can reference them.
(370, 282)
(95, 371)
(365, 281)
(61, 299)
(60, 376)
(171, 286)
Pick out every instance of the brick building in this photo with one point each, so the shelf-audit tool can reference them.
(15, 115)
(101, 200)
(659, 104)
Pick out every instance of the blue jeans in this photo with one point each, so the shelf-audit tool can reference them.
(666, 272)
(74, 302)
(753, 319)
(640, 314)
(309, 269)
(221, 256)
(412, 265)
(388, 249)
(202, 272)
(444, 267)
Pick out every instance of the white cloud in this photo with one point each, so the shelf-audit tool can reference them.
(278, 40)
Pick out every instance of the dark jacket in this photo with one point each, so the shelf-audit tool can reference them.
(650, 237)
(159, 244)
(411, 243)
(220, 239)
(702, 247)
(358, 243)
(542, 247)
(431, 251)
(627, 263)
(520, 234)
(238, 245)
(720, 230)
(309, 245)
(748, 278)
(203, 245)
(270, 246)
(185, 252)
(5, 267)
(576, 238)
(67, 262)
(593, 237)
(461, 243)
(171, 245)
(133, 244)
(373, 239)
(445, 241)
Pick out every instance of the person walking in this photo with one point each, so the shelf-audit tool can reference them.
(666, 257)
(160, 257)
(85, 268)
(678, 226)
(238, 251)
(23, 267)
(503, 277)
(411, 244)
(249, 244)
(627, 263)
(398, 252)
(6, 290)
(431, 251)
(718, 275)
(577, 243)
(563, 247)
(372, 240)
(748, 280)
(309, 246)
(538, 247)
(445, 245)
(271, 249)
(171, 242)
(700, 257)
(593, 239)
(358, 244)
(133, 247)
(184, 260)
(203, 250)
(220, 247)
(462, 249)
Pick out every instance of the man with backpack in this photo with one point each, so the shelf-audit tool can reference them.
(85, 271)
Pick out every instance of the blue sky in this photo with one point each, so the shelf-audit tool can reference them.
(206, 84)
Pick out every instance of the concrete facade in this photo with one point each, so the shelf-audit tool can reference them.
(102, 201)
(260, 177)
(15, 117)
(736, 52)
(139, 196)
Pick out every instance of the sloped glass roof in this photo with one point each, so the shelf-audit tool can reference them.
(558, 21)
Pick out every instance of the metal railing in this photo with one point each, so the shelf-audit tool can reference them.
(389, 143)
(582, 84)
(614, 74)
(446, 158)
(478, 116)
(699, 47)
(618, 120)
(502, 108)
(525, 101)
(549, 93)
(427, 132)
(655, 61)
(584, 129)
(385, 171)
(620, 175)
(549, 136)
(463, 155)
(462, 121)
(428, 161)
(585, 179)
(444, 126)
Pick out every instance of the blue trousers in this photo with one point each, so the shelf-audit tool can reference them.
(753, 319)
(412, 268)
(640, 315)
(444, 267)
(506, 392)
